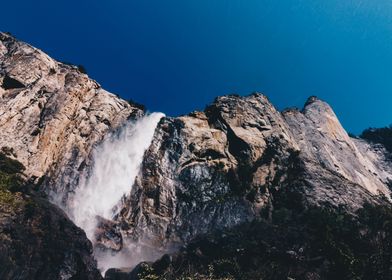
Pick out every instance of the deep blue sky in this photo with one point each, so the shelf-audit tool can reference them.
(177, 55)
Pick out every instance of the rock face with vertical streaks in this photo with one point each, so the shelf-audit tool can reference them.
(219, 168)
(51, 114)
(218, 172)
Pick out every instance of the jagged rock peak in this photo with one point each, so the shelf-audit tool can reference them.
(311, 100)
(204, 172)
(324, 143)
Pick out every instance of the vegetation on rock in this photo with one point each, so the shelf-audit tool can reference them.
(379, 136)
(37, 241)
(315, 243)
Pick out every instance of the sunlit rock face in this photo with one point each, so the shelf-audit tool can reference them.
(204, 172)
(219, 168)
(208, 171)
(52, 114)
(325, 144)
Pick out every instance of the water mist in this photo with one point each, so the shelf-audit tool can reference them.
(116, 163)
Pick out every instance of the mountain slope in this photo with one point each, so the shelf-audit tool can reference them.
(51, 114)
(37, 240)
(238, 171)
(219, 168)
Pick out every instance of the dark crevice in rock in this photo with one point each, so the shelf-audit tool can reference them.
(10, 83)
(209, 154)
(236, 146)
(35, 132)
(47, 111)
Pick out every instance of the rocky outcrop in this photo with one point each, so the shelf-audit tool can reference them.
(250, 193)
(238, 162)
(209, 170)
(326, 145)
(220, 168)
(51, 114)
(314, 243)
(37, 240)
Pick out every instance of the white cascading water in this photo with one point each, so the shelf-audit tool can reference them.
(116, 163)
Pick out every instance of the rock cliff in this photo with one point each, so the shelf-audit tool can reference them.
(209, 170)
(51, 114)
(205, 177)
(219, 168)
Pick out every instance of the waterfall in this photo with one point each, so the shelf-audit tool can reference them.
(116, 163)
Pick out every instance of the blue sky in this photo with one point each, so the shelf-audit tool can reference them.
(175, 56)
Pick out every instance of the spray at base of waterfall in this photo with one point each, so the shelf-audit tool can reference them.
(130, 256)
(116, 163)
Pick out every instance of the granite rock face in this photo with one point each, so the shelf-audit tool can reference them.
(51, 114)
(326, 145)
(208, 171)
(204, 172)
(217, 169)
(51, 117)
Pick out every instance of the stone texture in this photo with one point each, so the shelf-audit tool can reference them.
(219, 168)
(324, 143)
(207, 171)
(38, 241)
(204, 172)
(51, 114)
